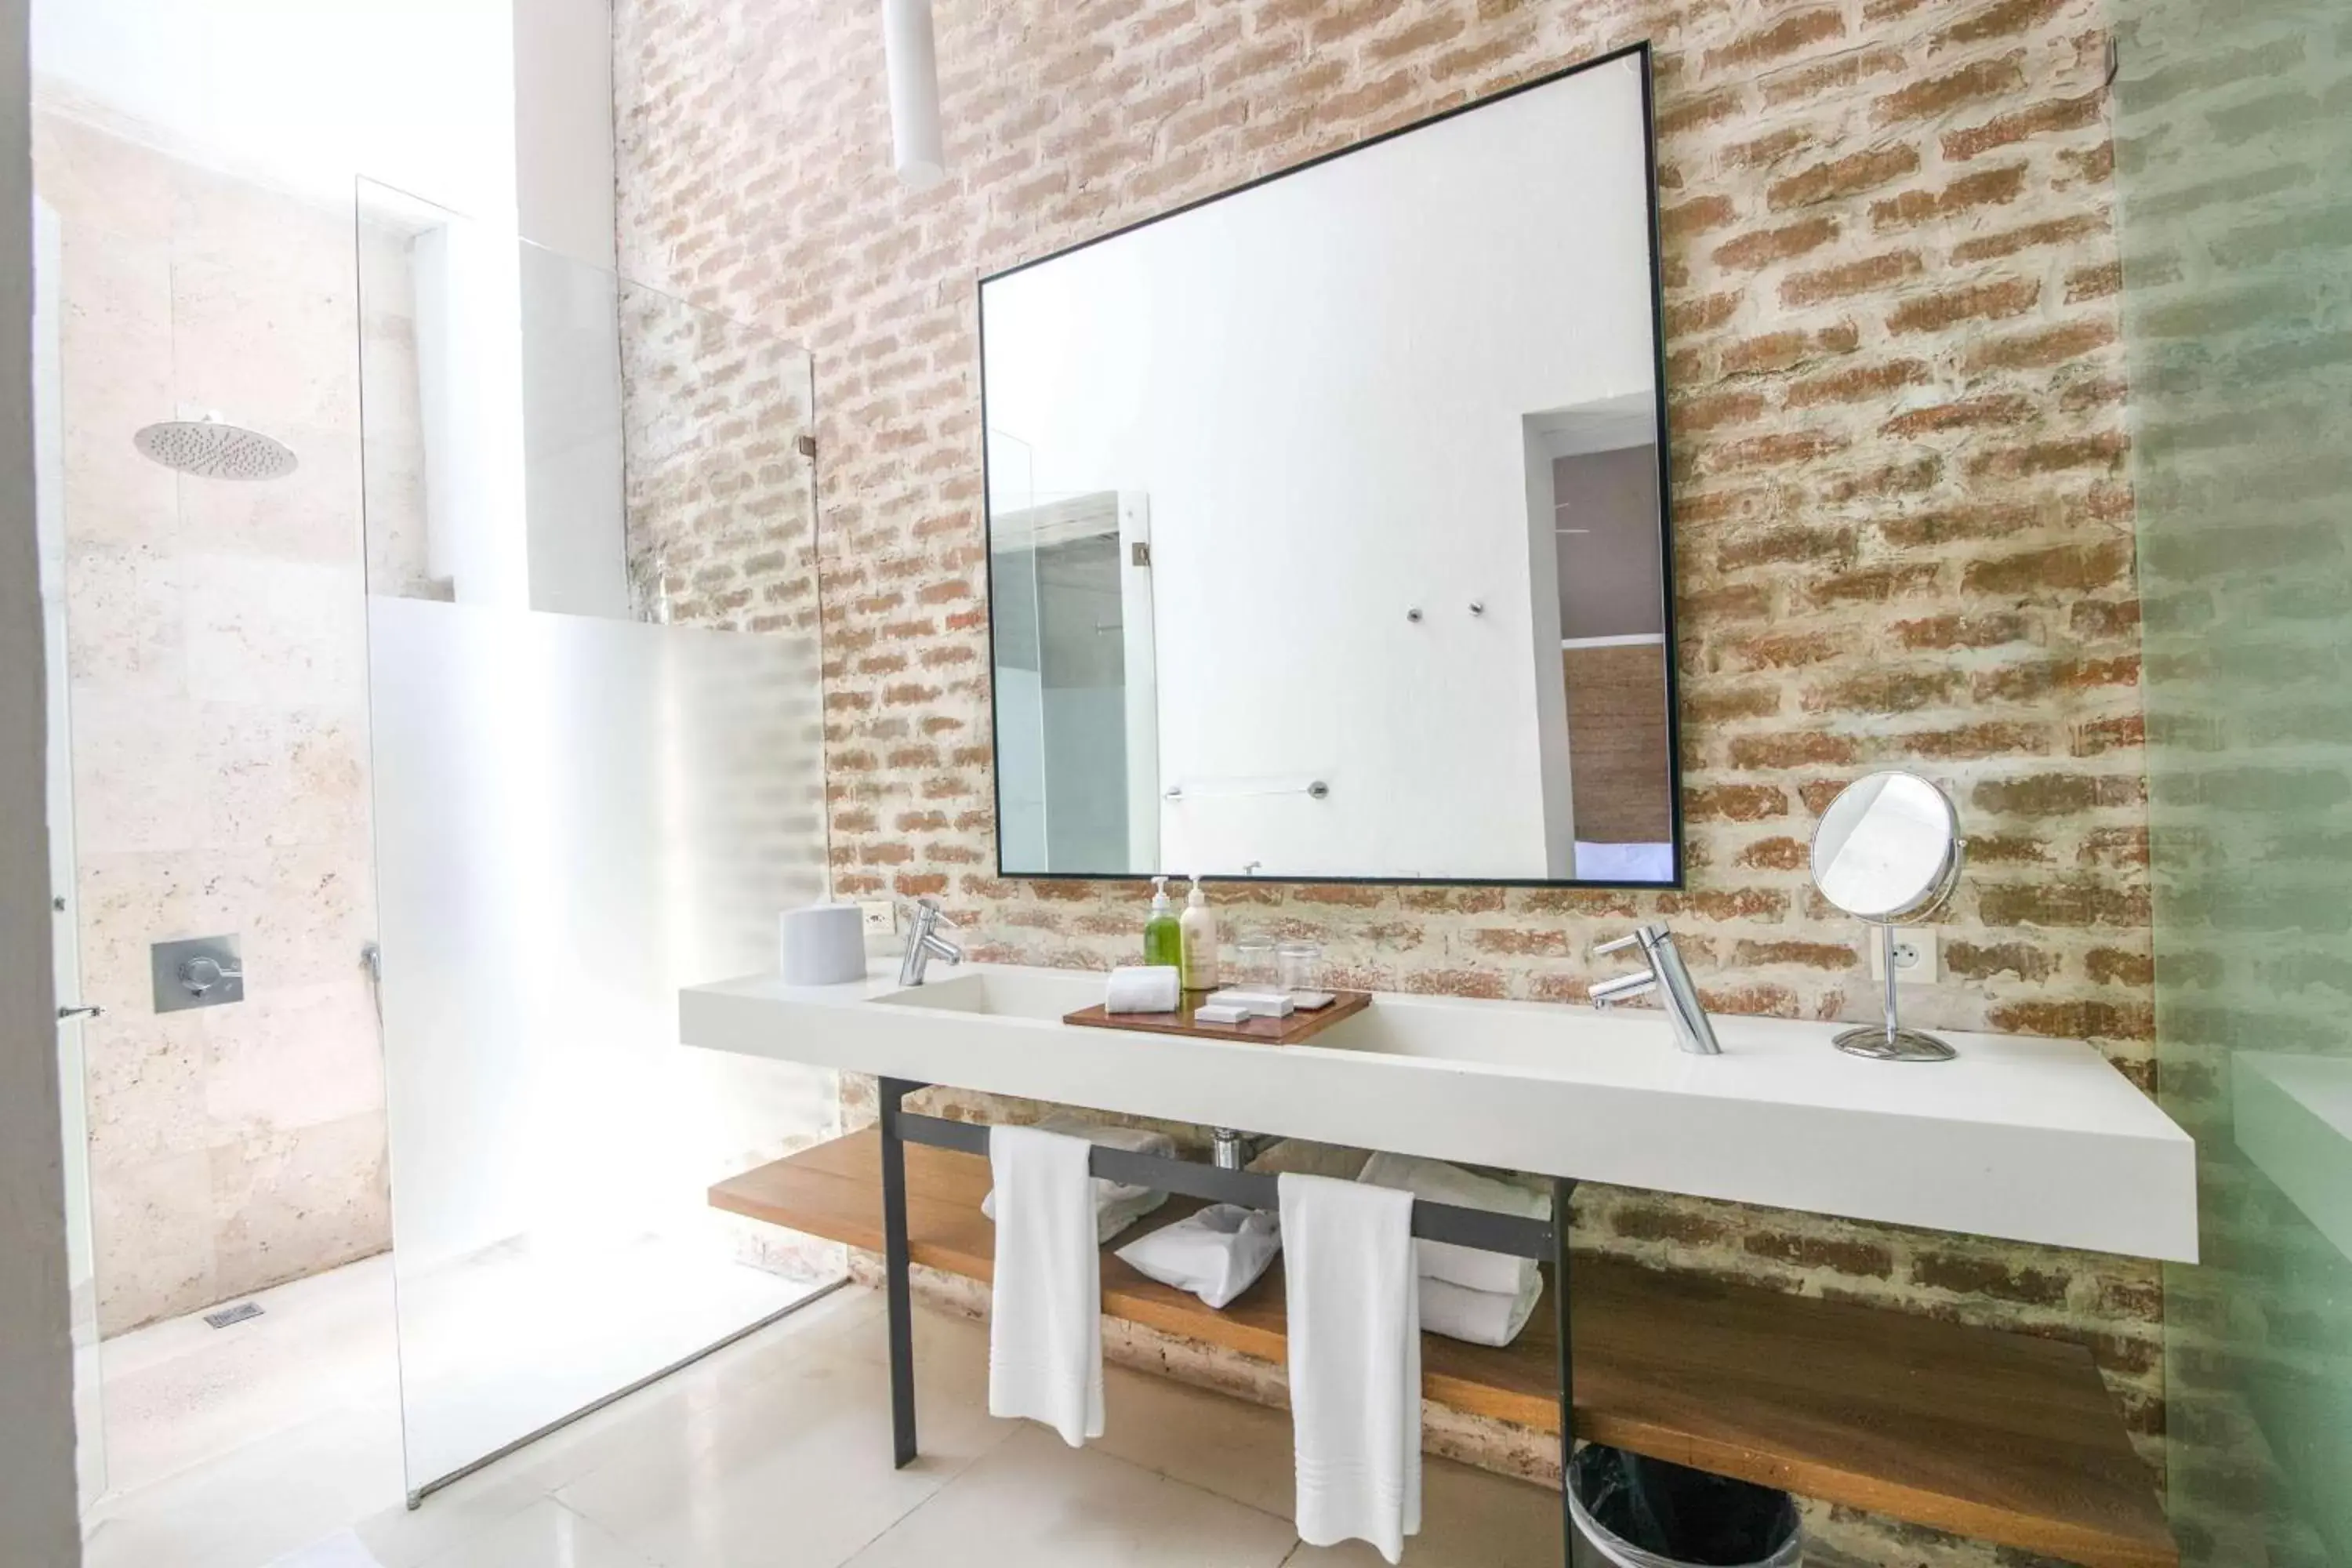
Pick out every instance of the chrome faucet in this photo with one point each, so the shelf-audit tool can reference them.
(924, 942)
(1669, 979)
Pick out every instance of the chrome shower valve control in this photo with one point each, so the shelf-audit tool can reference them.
(198, 972)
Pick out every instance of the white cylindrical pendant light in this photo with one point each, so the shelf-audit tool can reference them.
(907, 45)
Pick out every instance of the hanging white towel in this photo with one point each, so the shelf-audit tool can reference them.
(1044, 1326)
(1117, 1205)
(1435, 1181)
(1354, 1360)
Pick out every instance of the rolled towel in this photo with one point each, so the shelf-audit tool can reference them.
(1117, 1205)
(1045, 1321)
(1481, 1316)
(1144, 988)
(1215, 1253)
(1434, 1181)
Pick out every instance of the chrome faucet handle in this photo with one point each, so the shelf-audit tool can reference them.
(926, 910)
(1631, 939)
(925, 942)
(1624, 988)
(201, 973)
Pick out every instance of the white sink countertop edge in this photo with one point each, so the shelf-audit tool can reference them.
(2022, 1139)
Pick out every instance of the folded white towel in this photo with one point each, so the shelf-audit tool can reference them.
(1117, 1205)
(1144, 988)
(1481, 1316)
(1215, 1253)
(1354, 1360)
(1045, 1324)
(1436, 1181)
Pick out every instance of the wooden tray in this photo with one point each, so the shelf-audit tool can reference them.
(1301, 1024)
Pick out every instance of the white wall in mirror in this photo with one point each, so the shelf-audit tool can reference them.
(1331, 395)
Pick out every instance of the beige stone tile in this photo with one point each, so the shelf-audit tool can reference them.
(273, 778)
(544, 1535)
(153, 1226)
(94, 177)
(123, 621)
(310, 514)
(131, 900)
(288, 1058)
(115, 351)
(1237, 1450)
(803, 1457)
(280, 632)
(263, 348)
(292, 1058)
(134, 769)
(301, 911)
(1468, 1519)
(286, 1204)
(146, 1086)
(314, 912)
(223, 219)
(258, 1501)
(391, 402)
(1037, 1503)
(394, 510)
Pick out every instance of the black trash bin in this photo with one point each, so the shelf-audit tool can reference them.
(1635, 1512)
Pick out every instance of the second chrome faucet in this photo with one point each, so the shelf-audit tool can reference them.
(925, 942)
(1669, 979)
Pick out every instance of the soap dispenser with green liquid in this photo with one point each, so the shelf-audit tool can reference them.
(1163, 938)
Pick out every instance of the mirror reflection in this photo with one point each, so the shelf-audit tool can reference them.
(1327, 519)
(1887, 847)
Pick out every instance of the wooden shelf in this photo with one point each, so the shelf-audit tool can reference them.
(1998, 1436)
(1291, 1030)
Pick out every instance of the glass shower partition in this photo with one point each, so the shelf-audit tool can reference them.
(594, 705)
(2233, 158)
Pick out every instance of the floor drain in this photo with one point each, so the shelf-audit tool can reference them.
(235, 1314)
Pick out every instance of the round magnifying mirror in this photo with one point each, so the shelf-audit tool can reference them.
(1889, 850)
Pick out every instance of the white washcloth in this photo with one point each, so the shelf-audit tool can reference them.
(1354, 1360)
(1215, 1253)
(1436, 1181)
(1117, 1205)
(1144, 988)
(1481, 1316)
(1045, 1322)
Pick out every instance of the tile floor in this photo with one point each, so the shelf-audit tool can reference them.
(774, 1452)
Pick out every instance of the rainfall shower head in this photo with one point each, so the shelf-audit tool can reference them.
(214, 450)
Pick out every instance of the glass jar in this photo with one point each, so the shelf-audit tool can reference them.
(1297, 964)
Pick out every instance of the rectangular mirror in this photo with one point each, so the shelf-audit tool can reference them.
(1328, 518)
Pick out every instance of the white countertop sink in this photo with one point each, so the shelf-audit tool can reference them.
(2026, 1139)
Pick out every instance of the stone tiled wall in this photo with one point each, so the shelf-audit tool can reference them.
(1904, 532)
(217, 652)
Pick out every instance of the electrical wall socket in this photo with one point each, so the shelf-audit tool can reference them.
(880, 916)
(1918, 959)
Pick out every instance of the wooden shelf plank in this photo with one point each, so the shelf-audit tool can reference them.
(1998, 1436)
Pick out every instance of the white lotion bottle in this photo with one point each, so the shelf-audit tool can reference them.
(1199, 952)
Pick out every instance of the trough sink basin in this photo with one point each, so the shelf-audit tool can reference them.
(2026, 1139)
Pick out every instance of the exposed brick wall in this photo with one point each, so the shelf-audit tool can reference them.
(1904, 532)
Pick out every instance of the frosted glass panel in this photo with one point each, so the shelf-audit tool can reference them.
(583, 804)
(2234, 161)
(575, 817)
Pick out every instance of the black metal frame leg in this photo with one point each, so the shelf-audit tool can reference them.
(896, 1290)
(1563, 1357)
